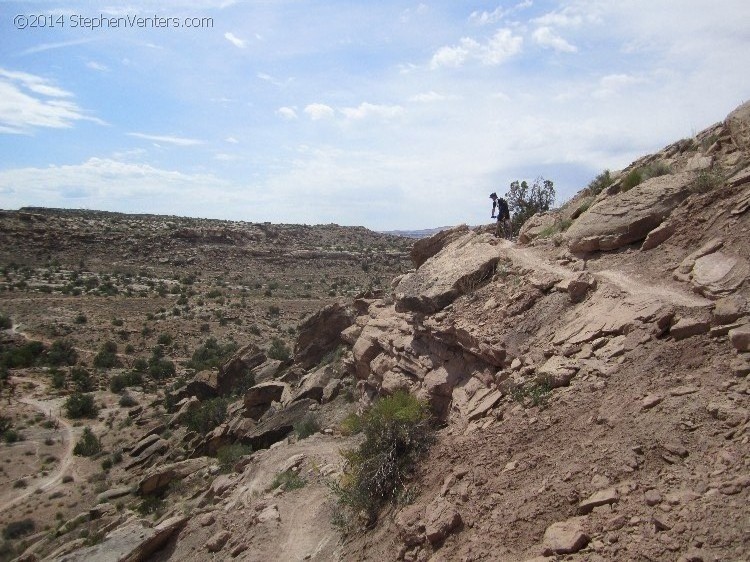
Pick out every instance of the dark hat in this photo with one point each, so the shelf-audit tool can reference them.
(493, 195)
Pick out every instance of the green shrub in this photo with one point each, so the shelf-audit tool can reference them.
(57, 378)
(307, 426)
(5, 322)
(107, 356)
(165, 339)
(62, 352)
(12, 436)
(127, 401)
(27, 355)
(278, 350)
(88, 445)
(633, 178)
(211, 354)
(210, 414)
(600, 183)
(228, 455)
(80, 318)
(655, 170)
(287, 480)
(706, 180)
(81, 405)
(397, 433)
(119, 382)
(17, 529)
(81, 379)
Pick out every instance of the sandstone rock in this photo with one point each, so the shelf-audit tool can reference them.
(259, 398)
(718, 274)
(602, 497)
(652, 497)
(729, 309)
(565, 537)
(269, 514)
(458, 269)
(203, 385)
(628, 217)
(740, 338)
(424, 249)
(157, 479)
(156, 448)
(314, 383)
(699, 162)
(410, 525)
(650, 401)
(277, 426)
(331, 390)
(709, 247)
(393, 381)
(206, 519)
(738, 124)
(366, 349)
(188, 405)
(536, 225)
(442, 519)
(558, 371)
(485, 404)
(689, 327)
(134, 542)
(217, 541)
(659, 235)
(351, 334)
(233, 373)
(114, 493)
(321, 333)
(579, 287)
(740, 365)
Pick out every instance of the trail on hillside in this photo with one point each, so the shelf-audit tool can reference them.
(636, 287)
(56, 476)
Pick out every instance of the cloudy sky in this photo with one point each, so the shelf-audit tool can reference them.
(386, 114)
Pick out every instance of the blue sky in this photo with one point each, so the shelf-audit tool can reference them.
(391, 115)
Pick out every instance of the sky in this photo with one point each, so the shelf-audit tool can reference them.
(387, 114)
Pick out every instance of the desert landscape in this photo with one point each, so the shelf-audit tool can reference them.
(209, 390)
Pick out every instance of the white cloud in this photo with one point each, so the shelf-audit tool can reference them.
(51, 46)
(28, 101)
(231, 140)
(431, 96)
(485, 17)
(318, 111)
(497, 49)
(288, 113)
(177, 141)
(366, 109)
(546, 37)
(93, 65)
(234, 40)
(101, 183)
(613, 83)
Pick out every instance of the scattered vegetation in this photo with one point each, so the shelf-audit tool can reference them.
(211, 354)
(5, 322)
(287, 480)
(18, 529)
(397, 433)
(279, 350)
(600, 183)
(88, 445)
(524, 201)
(536, 392)
(210, 414)
(307, 426)
(107, 356)
(228, 455)
(80, 405)
(62, 352)
(119, 382)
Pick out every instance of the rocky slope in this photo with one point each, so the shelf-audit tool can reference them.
(589, 385)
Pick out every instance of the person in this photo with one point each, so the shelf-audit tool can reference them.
(503, 216)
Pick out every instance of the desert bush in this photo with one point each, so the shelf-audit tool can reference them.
(211, 354)
(287, 480)
(57, 378)
(80, 318)
(119, 382)
(88, 445)
(633, 178)
(706, 180)
(17, 529)
(62, 352)
(82, 379)
(278, 350)
(397, 433)
(107, 356)
(600, 183)
(165, 339)
(210, 414)
(307, 426)
(81, 405)
(228, 455)
(524, 201)
(27, 355)
(5, 322)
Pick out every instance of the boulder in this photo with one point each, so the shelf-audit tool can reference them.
(558, 371)
(186, 406)
(629, 216)
(580, 286)
(204, 385)
(689, 327)
(267, 370)
(729, 309)
(425, 248)
(602, 497)
(657, 236)
(738, 124)
(565, 537)
(278, 426)
(217, 541)
(719, 274)
(259, 398)
(442, 519)
(740, 338)
(133, 542)
(321, 333)
(157, 479)
(313, 384)
(156, 448)
(233, 373)
(459, 268)
(536, 225)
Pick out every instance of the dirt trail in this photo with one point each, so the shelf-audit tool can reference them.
(636, 287)
(47, 407)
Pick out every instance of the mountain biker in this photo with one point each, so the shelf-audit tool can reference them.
(503, 216)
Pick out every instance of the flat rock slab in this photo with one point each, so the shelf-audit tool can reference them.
(628, 217)
(740, 338)
(689, 327)
(458, 269)
(602, 497)
(565, 537)
(719, 274)
(130, 543)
